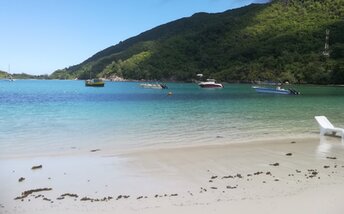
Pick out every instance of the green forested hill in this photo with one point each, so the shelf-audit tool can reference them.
(3, 74)
(281, 40)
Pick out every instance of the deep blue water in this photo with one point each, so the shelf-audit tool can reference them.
(54, 115)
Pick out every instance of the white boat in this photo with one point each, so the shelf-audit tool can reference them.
(10, 77)
(154, 85)
(210, 83)
(277, 90)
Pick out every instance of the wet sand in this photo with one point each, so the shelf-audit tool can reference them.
(271, 176)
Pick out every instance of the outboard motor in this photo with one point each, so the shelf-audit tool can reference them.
(293, 91)
(163, 86)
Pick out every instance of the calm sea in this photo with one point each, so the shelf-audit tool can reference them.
(57, 116)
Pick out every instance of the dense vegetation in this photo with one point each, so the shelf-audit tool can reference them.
(3, 74)
(282, 40)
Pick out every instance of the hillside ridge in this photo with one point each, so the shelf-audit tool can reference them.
(280, 40)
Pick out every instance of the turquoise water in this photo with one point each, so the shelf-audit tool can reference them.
(56, 116)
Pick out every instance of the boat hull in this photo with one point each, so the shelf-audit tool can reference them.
(94, 83)
(272, 90)
(153, 86)
(211, 85)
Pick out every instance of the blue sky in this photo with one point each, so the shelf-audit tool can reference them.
(41, 36)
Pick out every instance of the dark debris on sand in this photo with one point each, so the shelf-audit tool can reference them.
(48, 199)
(29, 192)
(105, 199)
(37, 167)
(311, 173)
(231, 187)
(203, 190)
(122, 196)
(308, 174)
(332, 158)
(67, 195)
(213, 177)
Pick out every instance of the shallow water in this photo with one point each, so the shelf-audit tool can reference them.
(54, 116)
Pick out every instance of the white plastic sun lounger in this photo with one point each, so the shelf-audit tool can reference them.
(326, 127)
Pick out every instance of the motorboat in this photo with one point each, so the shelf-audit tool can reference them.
(210, 83)
(276, 90)
(94, 83)
(153, 85)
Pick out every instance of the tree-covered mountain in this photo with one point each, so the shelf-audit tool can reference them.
(280, 40)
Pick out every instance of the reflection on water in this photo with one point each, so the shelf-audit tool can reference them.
(329, 144)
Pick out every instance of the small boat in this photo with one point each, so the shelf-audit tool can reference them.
(277, 90)
(95, 83)
(210, 83)
(154, 85)
(10, 79)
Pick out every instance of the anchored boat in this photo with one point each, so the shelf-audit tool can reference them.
(210, 83)
(95, 83)
(277, 90)
(154, 86)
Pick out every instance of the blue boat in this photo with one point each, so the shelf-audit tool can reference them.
(277, 90)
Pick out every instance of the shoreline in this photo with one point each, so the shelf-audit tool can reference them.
(248, 82)
(240, 177)
(110, 150)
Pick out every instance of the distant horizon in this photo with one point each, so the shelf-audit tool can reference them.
(46, 35)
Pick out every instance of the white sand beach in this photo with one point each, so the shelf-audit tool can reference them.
(270, 176)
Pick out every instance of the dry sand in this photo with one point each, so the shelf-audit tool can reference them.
(272, 176)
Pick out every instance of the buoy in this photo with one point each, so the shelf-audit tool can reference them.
(170, 93)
